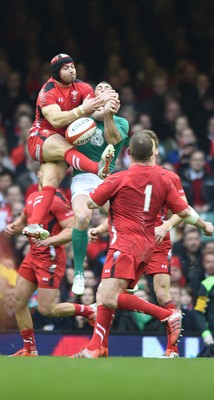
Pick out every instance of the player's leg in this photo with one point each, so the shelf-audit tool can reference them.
(56, 148)
(48, 306)
(161, 284)
(23, 291)
(52, 174)
(80, 239)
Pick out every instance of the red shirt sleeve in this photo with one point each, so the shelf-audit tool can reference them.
(177, 183)
(46, 98)
(106, 190)
(173, 200)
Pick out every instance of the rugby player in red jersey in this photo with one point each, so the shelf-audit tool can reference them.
(43, 268)
(62, 100)
(136, 196)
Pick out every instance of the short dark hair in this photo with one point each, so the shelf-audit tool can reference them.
(141, 146)
(153, 136)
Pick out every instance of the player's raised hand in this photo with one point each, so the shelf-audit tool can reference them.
(160, 233)
(90, 105)
(9, 230)
(112, 106)
(109, 94)
(208, 229)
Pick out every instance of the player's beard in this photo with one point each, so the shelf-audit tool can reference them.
(67, 80)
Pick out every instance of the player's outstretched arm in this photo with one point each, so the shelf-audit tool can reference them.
(16, 227)
(190, 216)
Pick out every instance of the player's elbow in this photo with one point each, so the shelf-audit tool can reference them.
(185, 213)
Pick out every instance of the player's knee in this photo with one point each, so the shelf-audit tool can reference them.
(109, 300)
(161, 294)
(19, 304)
(44, 309)
(83, 220)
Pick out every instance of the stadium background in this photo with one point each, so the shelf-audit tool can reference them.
(159, 56)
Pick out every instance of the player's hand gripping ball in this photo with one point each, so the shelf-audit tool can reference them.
(80, 131)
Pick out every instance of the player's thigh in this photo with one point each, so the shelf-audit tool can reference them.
(23, 290)
(53, 173)
(47, 298)
(54, 148)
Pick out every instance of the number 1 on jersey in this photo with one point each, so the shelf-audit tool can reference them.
(148, 195)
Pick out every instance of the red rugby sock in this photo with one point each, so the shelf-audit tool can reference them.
(79, 161)
(102, 325)
(42, 204)
(105, 340)
(133, 303)
(81, 309)
(29, 339)
(169, 305)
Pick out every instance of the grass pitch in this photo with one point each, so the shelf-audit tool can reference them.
(60, 378)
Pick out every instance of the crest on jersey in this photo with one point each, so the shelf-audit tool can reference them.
(97, 138)
(74, 94)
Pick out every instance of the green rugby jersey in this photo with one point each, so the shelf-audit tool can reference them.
(97, 143)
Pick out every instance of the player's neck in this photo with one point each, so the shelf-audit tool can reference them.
(149, 163)
(62, 84)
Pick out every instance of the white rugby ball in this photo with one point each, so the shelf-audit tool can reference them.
(80, 131)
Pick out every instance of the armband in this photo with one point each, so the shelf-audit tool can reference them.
(168, 227)
(193, 217)
(81, 109)
(76, 113)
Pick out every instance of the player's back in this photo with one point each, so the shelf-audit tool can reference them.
(140, 193)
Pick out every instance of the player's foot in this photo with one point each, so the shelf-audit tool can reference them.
(78, 287)
(85, 353)
(135, 289)
(25, 353)
(35, 230)
(173, 326)
(92, 316)
(104, 164)
(104, 352)
(170, 354)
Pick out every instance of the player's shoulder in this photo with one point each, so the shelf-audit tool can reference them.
(173, 176)
(82, 84)
(48, 86)
(60, 197)
(121, 120)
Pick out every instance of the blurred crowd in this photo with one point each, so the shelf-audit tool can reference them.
(159, 56)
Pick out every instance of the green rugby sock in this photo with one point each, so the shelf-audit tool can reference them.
(79, 242)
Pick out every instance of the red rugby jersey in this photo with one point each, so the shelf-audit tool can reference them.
(136, 196)
(66, 97)
(60, 211)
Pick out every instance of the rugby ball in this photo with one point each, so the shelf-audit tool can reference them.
(80, 131)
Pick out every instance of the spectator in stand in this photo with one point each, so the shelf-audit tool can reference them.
(18, 154)
(190, 255)
(198, 183)
(177, 276)
(13, 194)
(13, 95)
(204, 307)
(6, 179)
(186, 143)
(66, 293)
(188, 321)
(5, 161)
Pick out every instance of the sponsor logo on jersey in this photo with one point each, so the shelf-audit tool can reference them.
(97, 138)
